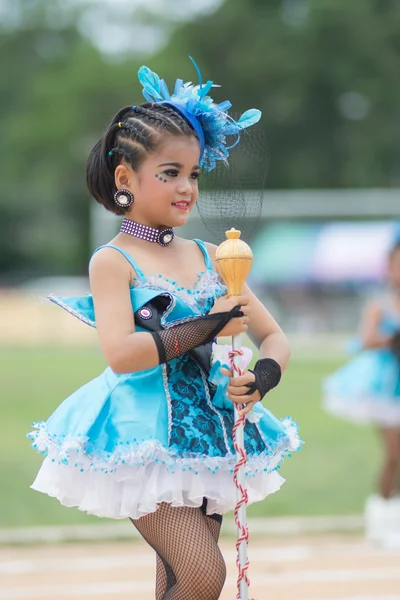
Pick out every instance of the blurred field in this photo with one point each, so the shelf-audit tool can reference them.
(325, 567)
(332, 474)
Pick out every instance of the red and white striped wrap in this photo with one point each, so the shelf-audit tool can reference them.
(241, 459)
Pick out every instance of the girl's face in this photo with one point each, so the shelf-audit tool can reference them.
(165, 187)
(394, 268)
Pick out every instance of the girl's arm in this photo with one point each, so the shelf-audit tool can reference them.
(130, 351)
(370, 334)
(110, 279)
(265, 332)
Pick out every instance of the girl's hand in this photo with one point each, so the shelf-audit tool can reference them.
(236, 391)
(238, 324)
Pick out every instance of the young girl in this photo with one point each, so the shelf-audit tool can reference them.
(145, 440)
(367, 389)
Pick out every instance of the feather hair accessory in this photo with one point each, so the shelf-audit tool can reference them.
(211, 121)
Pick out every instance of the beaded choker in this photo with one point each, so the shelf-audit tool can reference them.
(145, 232)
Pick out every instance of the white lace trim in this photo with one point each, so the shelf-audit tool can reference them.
(73, 450)
(57, 300)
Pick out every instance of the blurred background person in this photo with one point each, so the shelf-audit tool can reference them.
(367, 390)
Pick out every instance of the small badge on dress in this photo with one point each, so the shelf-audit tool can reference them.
(145, 313)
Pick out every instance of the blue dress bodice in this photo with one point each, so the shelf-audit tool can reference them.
(185, 302)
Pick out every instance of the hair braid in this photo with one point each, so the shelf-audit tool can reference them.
(175, 118)
(134, 131)
(164, 120)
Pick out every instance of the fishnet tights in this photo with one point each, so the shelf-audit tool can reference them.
(165, 577)
(189, 563)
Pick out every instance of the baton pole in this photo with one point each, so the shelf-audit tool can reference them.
(233, 259)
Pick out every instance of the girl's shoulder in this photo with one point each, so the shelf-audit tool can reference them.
(105, 257)
(211, 250)
(112, 258)
(207, 249)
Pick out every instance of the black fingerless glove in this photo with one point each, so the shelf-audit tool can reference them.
(267, 373)
(178, 339)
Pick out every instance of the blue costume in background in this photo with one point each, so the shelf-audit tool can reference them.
(367, 389)
(123, 443)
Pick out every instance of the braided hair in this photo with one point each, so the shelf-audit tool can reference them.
(133, 133)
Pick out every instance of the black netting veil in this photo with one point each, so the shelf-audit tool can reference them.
(232, 195)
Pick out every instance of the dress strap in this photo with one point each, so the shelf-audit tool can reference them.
(129, 258)
(207, 259)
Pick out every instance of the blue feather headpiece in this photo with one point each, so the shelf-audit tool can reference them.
(209, 120)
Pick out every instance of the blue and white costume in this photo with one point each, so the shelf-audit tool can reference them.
(123, 443)
(367, 389)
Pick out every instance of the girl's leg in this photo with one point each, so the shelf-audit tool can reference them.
(165, 578)
(391, 440)
(214, 525)
(182, 539)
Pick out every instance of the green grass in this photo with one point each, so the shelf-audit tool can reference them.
(332, 474)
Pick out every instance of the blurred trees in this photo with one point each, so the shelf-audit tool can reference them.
(324, 72)
(57, 94)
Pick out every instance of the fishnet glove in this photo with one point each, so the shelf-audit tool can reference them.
(178, 339)
(267, 373)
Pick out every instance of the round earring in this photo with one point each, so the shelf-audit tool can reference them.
(124, 198)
